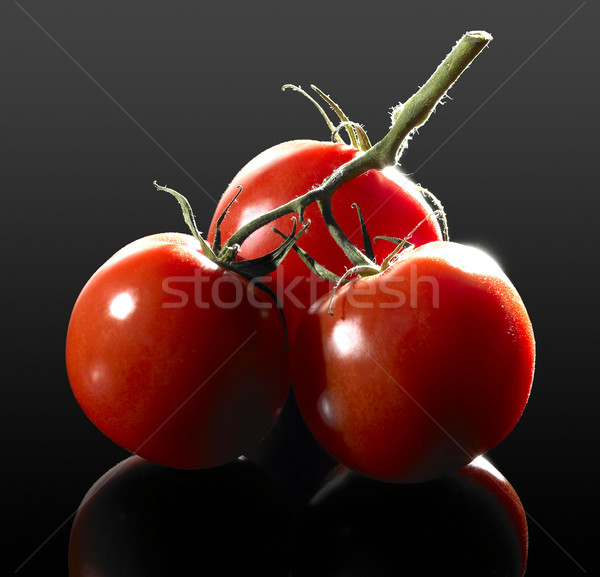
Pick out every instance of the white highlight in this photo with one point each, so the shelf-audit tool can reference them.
(121, 306)
(482, 463)
(342, 340)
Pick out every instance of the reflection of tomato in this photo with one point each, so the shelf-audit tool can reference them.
(174, 358)
(469, 523)
(143, 519)
(390, 204)
(420, 369)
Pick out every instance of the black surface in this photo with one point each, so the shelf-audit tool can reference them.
(143, 519)
(468, 523)
(99, 99)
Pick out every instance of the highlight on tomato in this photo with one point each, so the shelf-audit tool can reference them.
(175, 358)
(411, 373)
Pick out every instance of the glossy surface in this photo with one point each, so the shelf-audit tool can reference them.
(390, 204)
(141, 519)
(175, 359)
(469, 523)
(420, 369)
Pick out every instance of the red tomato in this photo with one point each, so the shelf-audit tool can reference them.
(468, 523)
(391, 206)
(421, 368)
(174, 358)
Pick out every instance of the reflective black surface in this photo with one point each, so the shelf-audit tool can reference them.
(469, 523)
(512, 155)
(266, 515)
(142, 519)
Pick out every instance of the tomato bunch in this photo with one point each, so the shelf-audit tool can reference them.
(327, 291)
(327, 279)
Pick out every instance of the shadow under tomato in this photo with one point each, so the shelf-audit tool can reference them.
(468, 523)
(143, 519)
(291, 457)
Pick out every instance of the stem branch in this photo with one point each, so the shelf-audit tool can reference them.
(406, 119)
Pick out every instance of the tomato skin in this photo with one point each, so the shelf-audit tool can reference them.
(389, 202)
(165, 372)
(420, 369)
(469, 523)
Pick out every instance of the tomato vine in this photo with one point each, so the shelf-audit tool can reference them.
(407, 118)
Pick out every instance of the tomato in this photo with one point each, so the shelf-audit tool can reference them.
(144, 519)
(174, 358)
(420, 368)
(390, 204)
(469, 523)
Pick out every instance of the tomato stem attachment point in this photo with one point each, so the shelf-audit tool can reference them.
(402, 244)
(363, 142)
(226, 257)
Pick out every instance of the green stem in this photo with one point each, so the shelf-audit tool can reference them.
(406, 119)
(340, 176)
(417, 110)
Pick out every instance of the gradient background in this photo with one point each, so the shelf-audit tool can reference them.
(101, 98)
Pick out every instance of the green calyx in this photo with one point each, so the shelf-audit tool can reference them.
(226, 256)
(356, 132)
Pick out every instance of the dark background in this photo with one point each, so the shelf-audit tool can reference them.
(101, 98)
